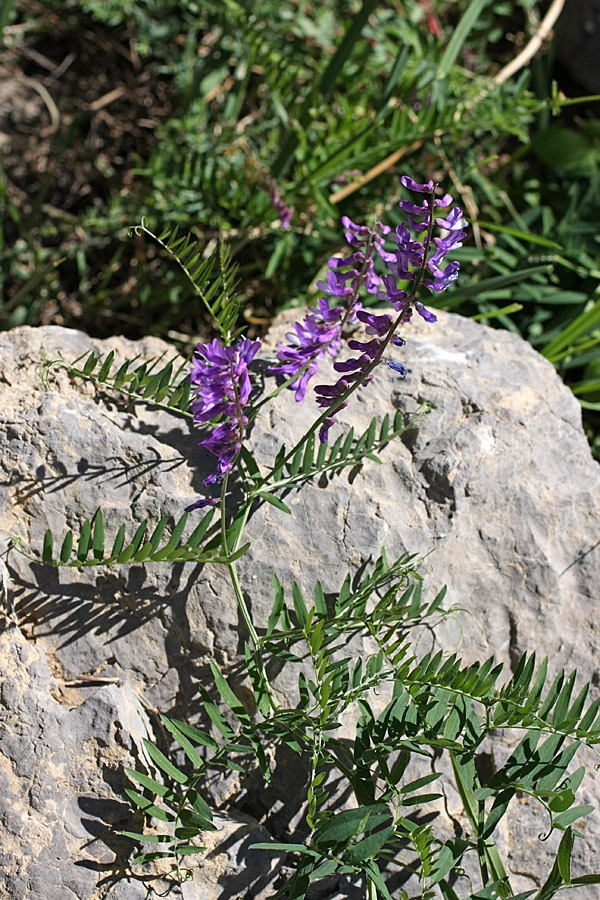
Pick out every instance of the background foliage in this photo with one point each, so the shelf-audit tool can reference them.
(188, 114)
(183, 111)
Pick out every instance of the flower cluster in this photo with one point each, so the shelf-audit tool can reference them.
(320, 333)
(413, 261)
(412, 257)
(283, 211)
(221, 385)
(219, 375)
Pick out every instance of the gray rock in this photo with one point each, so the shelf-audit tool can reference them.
(61, 768)
(497, 484)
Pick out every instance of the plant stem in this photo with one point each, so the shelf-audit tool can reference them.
(371, 889)
(239, 595)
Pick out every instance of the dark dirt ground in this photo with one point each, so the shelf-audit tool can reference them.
(79, 110)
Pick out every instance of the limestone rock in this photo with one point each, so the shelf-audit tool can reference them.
(61, 773)
(497, 482)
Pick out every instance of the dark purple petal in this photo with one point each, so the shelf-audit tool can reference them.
(425, 313)
(205, 501)
(408, 182)
(348, 366)
(324, 429)
(370, 347)
(397, 367)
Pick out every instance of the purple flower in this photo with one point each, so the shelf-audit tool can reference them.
(412, 259)
(220, 382)
(376, 324)
(353, 369)
(424, 313)
(363, 236)
(397, 367)
(283, 211)
(200, 504)
(427, 188)
(407, 182)
(411, 256)
(317, 335)
(444, 279)
(320, 333)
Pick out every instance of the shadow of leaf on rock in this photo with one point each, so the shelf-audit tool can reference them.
(248, 872)
(117, 603)
(104, 818)
(115, 470)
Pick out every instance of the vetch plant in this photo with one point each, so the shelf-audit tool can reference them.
(410, 262)
(431, 706)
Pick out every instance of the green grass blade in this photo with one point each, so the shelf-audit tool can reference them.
(581, 324)
(325, 87)
(459, 36)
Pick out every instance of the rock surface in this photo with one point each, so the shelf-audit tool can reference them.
(497, 481)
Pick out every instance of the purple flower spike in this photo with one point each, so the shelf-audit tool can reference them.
(284, 212)
(312, 339)
(412, 259)
(220, 381)
(416, 261)
(320, 332)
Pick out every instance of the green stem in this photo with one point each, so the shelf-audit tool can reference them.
(371, 889)
(257, 649)
(237, 588)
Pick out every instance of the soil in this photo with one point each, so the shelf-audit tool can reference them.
(79, 109)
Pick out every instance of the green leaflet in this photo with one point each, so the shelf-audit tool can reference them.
(159, 547)
(344, 452)
(167, 387)
(213, 279)
(165, 764)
